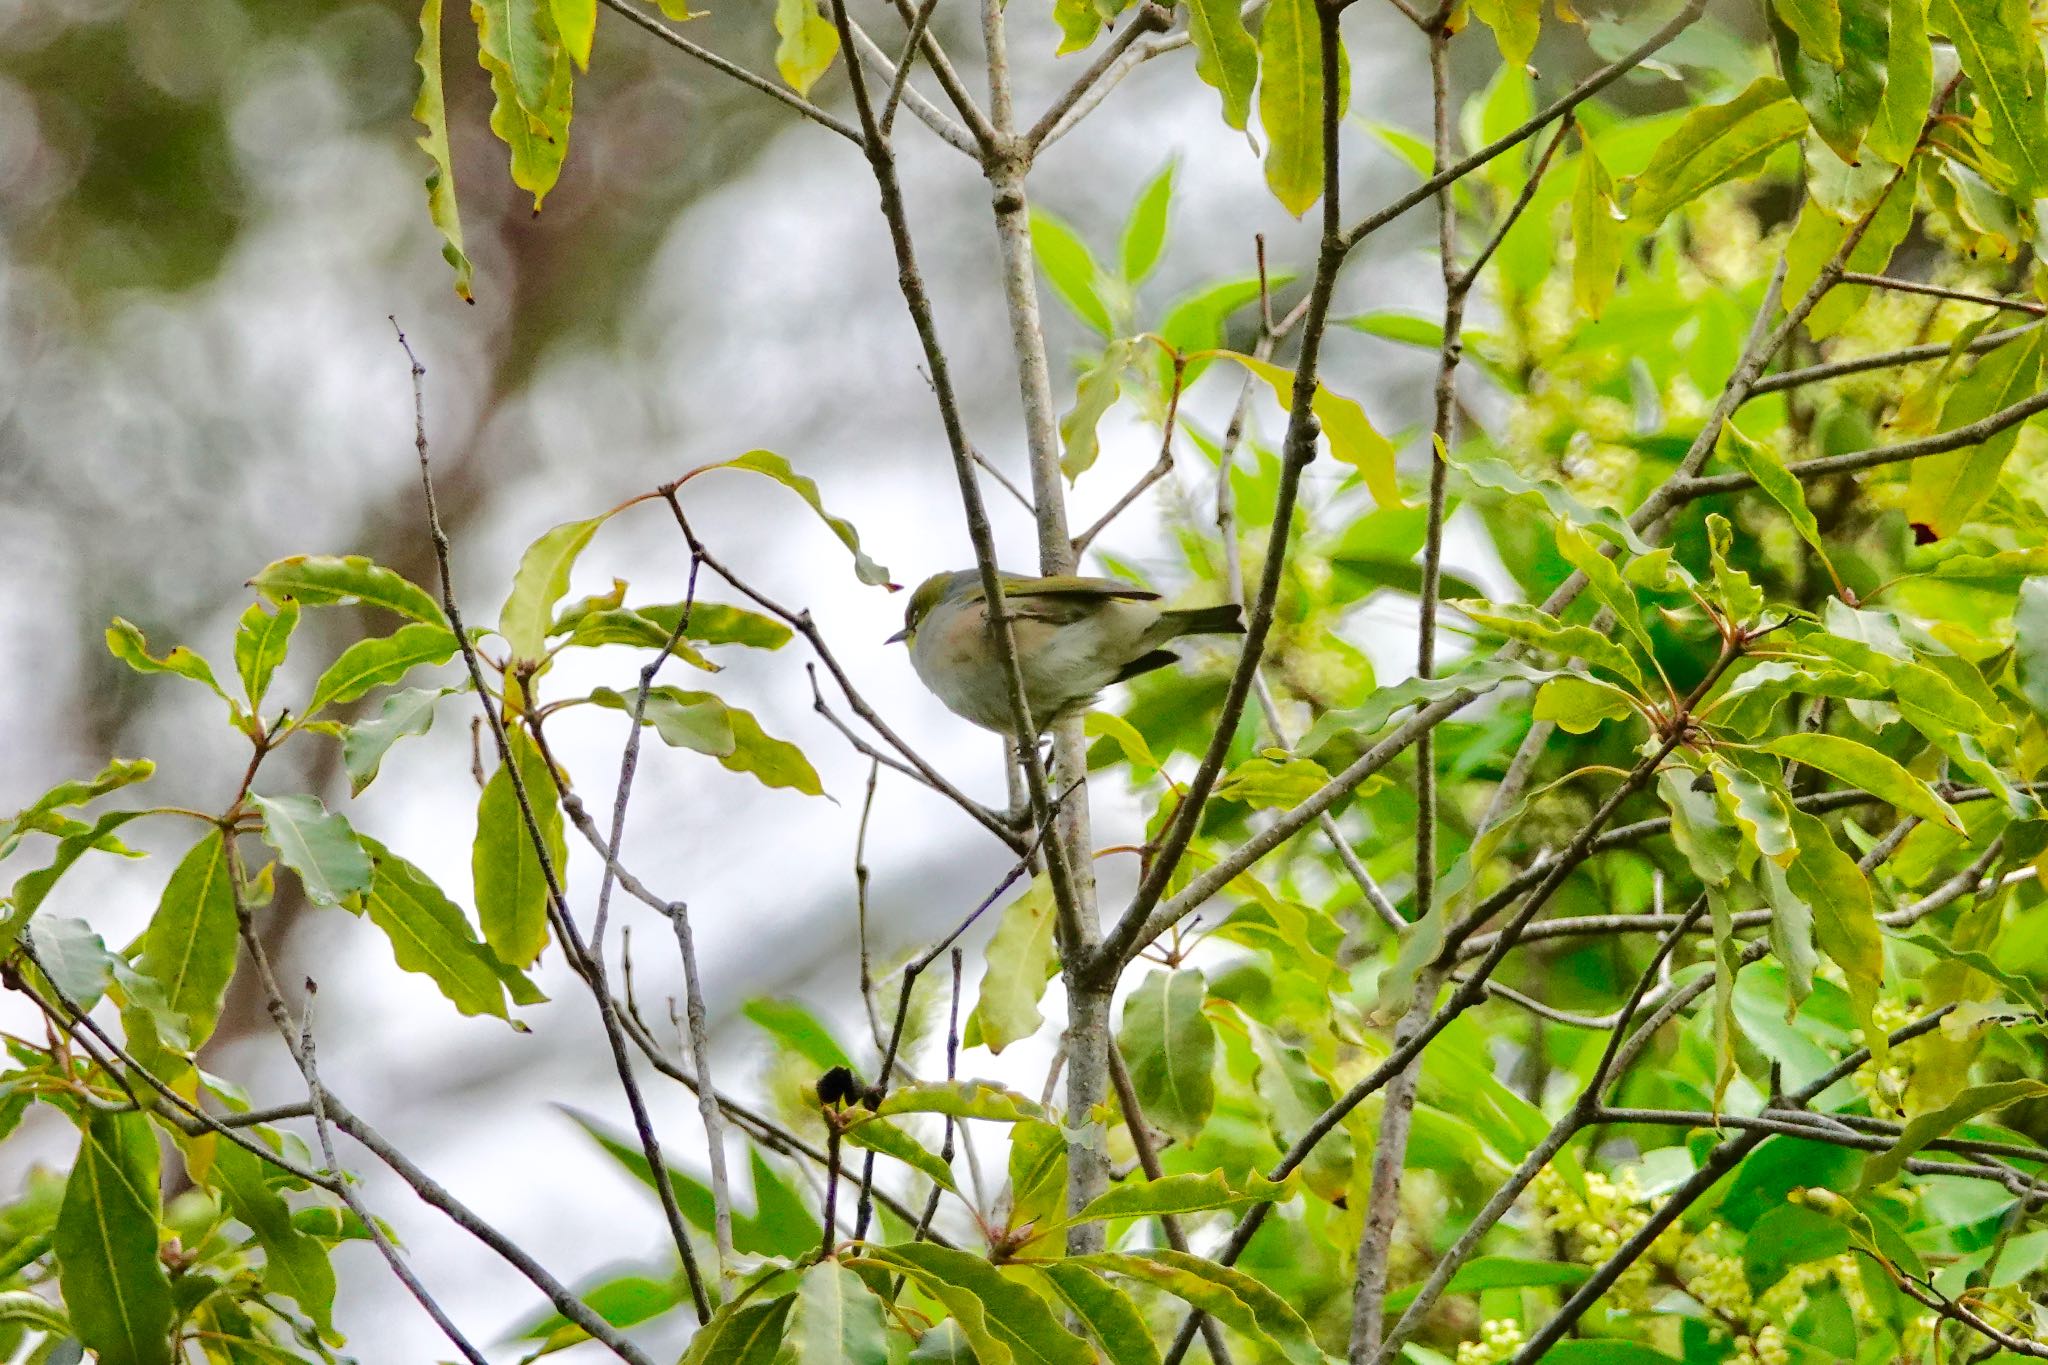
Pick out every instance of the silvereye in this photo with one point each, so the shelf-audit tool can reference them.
(1075, 636)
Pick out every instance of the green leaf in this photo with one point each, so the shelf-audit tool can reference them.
(2030, 643)
(1778, 484)
(684, 720)
(260, 644)
(364, 744)
(1598, 238)
(1190, 1193)
(576, 21)
(716, 623)
(1020, 958)
(1817, 24)
(115, 1286)
(1859, 765)
(542, 579)
(1515, 24)
(520, 36)
(1406, 328)
(1194, 324)
(1944, 489)
(1531, 626)
(29, 1309)
(1071, 270)
(1719, 142)
(622, 1301)
(1499, 1272)
(1502, 477)
(1106, 1311)
(1136, 752)
(835, 1320)
(538, 138)
(1038, 1172)
(1225, 55)
(1609, 1352)
(879, 1135)
(381, 662)
(1291, 102)
(31, 888)
(1840, 89)
(430, 935)
(293, 1262)
(800, 1030)
(1758, 805)
(1353, 438)
(1170, 1047)
(1079, 24)
(317, 844)
(741, 1333)
(333, 580)
(40, 815)
(73, 958)
(809, 43)
(1294, 1097)
(192, 942)
(125, 642)
(1908, 84)
(1579, 705)
(511, 885)
(1273, 781)
(771, 465)
(430, 110)
(1095, 393)
(1227, 1294)
(961, 1100)
(993, 1310)
(1924, 1128)
(1995, 43)
(1844, 923)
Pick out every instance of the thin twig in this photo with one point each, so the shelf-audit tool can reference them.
(780, 94)
(2030, 307)
(1150, 18)
(1882, 360)
(904, 62)
(707, 1101)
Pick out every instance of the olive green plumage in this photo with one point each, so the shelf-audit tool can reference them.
(1074, 635)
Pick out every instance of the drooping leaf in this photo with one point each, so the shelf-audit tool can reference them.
(1716, 143)
(1598, 238)
(1353, 438)
(1021, 956)
(260, 644)
(511, 884)
(1758, 805)
(125, 642)
(686, 720)
(1844, 923)
(576, 22)
(1095, 393)
(1291, 102)
(1840, 87)
(380, 662)
(1908, 84)
(1778, 484)
(520, 36)
(1944, 489)
(364, 744)
(879, 1135)
(771, 465)
(809, 42)
(800, 1030)
(114, 1283)
(1106, 1311)
(295, 1264)
(1170, 1047)
(538, 140)
(1816, 23)
(192, 941)
(430, 110)
(1079, 23)
(1994, 42)
(1189, 1193)
(1226, 57)
(317, 844)
(1516, 25)
(331, 580)
(1859, 765)
(991, 1308)
(1038, 1182)
(1234, 1298)
(1924, 1128)
(430, 935)
(835, 1320)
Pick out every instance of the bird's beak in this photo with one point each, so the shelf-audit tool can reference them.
(898, 637)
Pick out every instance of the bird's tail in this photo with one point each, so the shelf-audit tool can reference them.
(1221, 620)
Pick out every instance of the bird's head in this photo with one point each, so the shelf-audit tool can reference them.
(928, 595)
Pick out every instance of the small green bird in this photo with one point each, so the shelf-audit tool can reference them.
(1075, 636)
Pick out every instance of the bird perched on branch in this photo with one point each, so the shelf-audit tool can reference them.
(1075, 636)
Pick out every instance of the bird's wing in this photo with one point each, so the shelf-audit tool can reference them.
(1062, 600)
